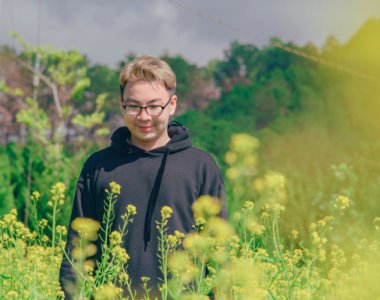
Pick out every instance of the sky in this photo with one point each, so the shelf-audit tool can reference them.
(106, 31)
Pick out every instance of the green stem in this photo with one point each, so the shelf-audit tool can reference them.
(164, 254)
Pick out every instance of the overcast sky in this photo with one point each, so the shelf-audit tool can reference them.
(107, 30)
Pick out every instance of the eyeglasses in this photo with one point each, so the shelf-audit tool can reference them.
(152, 110)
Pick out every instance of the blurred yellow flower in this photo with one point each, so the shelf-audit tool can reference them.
(123, 278)
(232, 173)
(43, 223)
(255, 228)
(44, 238)
(230, 157)
(89, 265)
(61, 229)
(90, 250)
(218, 229)
(342, 202)
(376, 223)
(205, 207)
(248, 205)
(244, 143)
(197, 245)
(35, 196)
(107, 292)
(258, 184)
(87, 228)
(182, 266)
(294, 234)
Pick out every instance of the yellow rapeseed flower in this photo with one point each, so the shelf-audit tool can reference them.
(58, 194)
(172, 241)
(166, 212)
(255, 228)
(131, 209)
(58, 188)
(43, 223)
(115, 238)
(179, 234)
(123, 278)
(44, 238)
(11, 295)
(200, 222)
(115, 187)
(35, 196)
(61, 230)
(120, 254)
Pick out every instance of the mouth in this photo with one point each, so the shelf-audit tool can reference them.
(145, 128)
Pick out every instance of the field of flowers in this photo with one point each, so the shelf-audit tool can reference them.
(250, 256)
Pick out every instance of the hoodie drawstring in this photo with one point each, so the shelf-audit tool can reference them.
(153, 199)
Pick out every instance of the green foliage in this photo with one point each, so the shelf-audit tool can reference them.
(5, 89)
(6, 187)
(105, 80)
(35, 119)
(184, 72)
(239, 65)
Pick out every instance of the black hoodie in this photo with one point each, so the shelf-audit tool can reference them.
(174, 175)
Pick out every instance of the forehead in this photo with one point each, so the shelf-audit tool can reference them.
(145, 90)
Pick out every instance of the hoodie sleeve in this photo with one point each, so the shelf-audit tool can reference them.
(82, 207)
(213, 185)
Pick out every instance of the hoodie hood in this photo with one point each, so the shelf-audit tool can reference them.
(179, 140)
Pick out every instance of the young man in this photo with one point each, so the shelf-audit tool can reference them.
(155, 164)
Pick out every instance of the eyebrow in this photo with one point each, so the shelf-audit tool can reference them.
(129, 100)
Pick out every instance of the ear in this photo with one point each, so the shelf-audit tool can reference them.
(121, 104)
(173, 105)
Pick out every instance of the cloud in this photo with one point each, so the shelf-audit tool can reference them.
(107, 30)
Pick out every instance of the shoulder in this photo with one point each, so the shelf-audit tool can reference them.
(203, 158)
(96, 159)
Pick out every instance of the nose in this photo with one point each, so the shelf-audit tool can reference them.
(143, 115)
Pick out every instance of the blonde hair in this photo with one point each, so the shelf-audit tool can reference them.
(148, 68)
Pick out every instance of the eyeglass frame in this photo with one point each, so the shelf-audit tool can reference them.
(143, 107)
